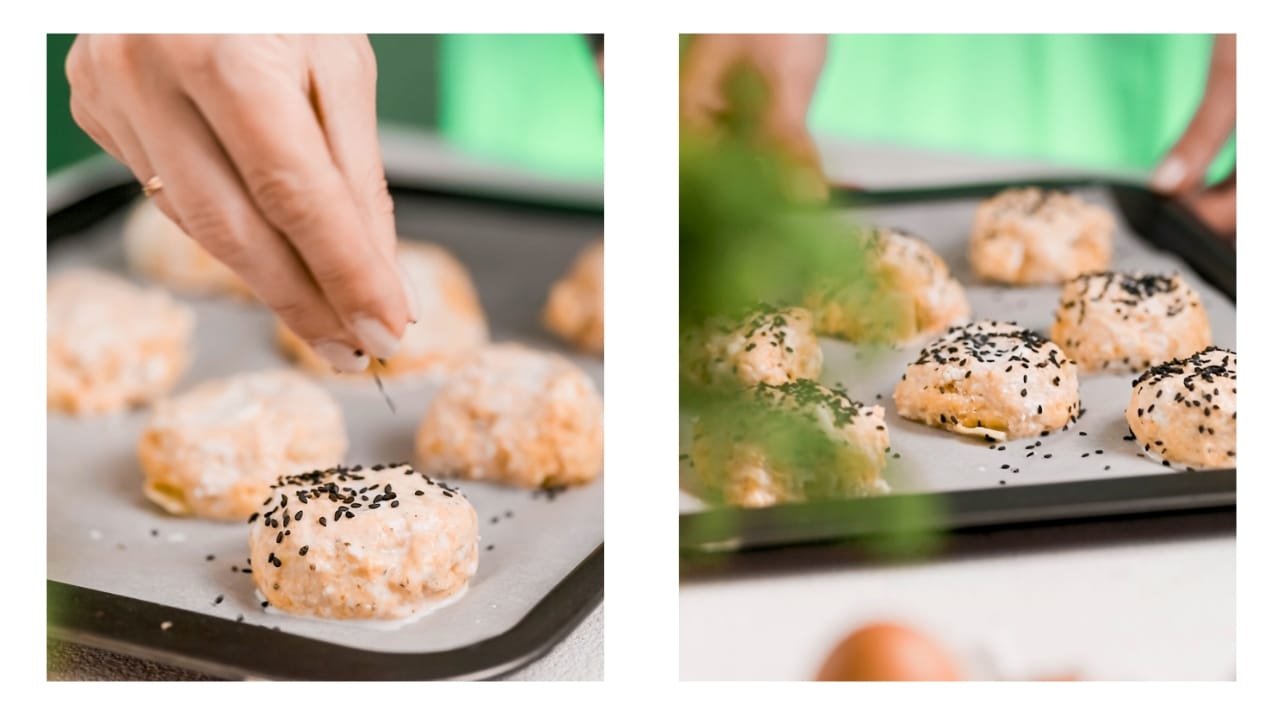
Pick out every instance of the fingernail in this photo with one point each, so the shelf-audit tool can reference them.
(341, 356)
(375, 337)
(1169, 174)
(409, 292)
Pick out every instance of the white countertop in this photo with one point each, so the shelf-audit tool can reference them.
(1108, 605)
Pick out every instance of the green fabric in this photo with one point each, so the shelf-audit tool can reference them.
(533, 101)
(65, 142)
(1114, 102)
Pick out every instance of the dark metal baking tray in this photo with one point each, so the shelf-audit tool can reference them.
(542, 237)
(1158, 221)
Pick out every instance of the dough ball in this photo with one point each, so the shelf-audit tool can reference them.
(516, 416)
(160, 251)
(769, 345)
(789, 443)
(575, 305)
(382, 543)
(992, 380)
(1127, 322)
(451, 323)
(112, 345)
(1029, 236)
(907, 292)
(1183, 412)
(214, 450)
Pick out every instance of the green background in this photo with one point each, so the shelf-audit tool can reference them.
(1114, 102)
(529, 101)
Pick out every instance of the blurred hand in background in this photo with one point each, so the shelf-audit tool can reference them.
(788, 66)
(1182, 172)
(267, 150)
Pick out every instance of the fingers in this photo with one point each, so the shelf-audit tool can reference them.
(794, 66)
(702, 74)
(204, 192)
(1183, 169)
(345, 99)
(1216, 206)
(269, 129)
(789, 66)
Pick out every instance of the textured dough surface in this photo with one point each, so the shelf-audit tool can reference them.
(214, 450)
(1183, 412)
(992, 380)
(1028, 236)
(790, 443)
(1127, 322)
(451, 323)
(575, 305)
(906, 294)
(379, 543)
(769, 345)
(517, 416)
(111, 345)
(159, 250)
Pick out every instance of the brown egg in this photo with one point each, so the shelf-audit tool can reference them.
(885, 651)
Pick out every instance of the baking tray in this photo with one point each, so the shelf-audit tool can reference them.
(124, 576)
(945, 484)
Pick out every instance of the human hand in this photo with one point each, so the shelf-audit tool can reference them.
(268, 152)
(1181, 173)
(789, 66)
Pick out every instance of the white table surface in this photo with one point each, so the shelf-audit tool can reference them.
(1110, 605)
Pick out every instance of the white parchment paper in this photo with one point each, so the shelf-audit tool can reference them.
(103, 534)
(927, 459)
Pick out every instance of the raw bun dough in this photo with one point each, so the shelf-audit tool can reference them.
(790, 443)
(214, 450)
(451, 324)
(575, 305)
(992, 380)
(1183, 412)
(1029, 236)
(1127, 322)
(110, 344)
(383, 543)
(770, 345)
(515, 416)
(906, 295)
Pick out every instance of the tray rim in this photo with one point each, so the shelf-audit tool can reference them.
(236, 650)
(727, 530)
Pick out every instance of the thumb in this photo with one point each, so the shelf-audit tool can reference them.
(1184, 167)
